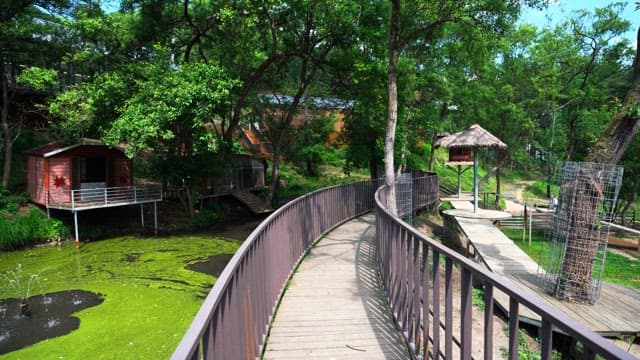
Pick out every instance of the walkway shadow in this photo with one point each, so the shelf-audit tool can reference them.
(372, 294)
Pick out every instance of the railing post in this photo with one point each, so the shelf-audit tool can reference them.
(106, 201)
(135, 194)
(73, 199)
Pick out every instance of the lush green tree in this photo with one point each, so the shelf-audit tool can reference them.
(418, 24)
(173, 112)
(31, 48)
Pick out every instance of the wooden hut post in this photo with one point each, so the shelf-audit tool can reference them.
(460, 181)
(475, 179)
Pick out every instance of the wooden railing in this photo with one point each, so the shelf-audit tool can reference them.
(86, 199)
(418, 276)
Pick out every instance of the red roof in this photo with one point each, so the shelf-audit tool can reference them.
(46, 148)
(57, 147)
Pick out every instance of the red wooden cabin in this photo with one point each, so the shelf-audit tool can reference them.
(55, 169)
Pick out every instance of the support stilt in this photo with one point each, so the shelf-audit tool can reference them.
(142, 214)
(75, 224)
(155, 217)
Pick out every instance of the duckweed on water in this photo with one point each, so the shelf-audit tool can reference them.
(150, 296)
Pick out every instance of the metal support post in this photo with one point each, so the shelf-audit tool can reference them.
(75, 223)
(142, 214)
(155, 217)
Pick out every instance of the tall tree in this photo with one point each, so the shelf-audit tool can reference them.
(418, 24)
(577, 269)
(30, 39)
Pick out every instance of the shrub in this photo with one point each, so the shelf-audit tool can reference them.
(10, 202)
(18, 230)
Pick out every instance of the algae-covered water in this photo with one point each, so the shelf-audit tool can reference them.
(148, 291)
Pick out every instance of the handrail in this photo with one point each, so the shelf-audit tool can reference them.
(82, 199)
(415, 283)
(233, 320)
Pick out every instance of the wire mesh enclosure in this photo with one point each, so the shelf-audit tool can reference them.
(404, 196)
(587, 195)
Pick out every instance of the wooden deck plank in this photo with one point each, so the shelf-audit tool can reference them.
(334, 307)
(617, 311)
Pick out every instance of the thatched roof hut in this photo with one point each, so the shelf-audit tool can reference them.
(473, 137)
(462, 144)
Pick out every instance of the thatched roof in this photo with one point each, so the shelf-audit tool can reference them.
(473, 136)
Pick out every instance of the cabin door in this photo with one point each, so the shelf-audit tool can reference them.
(91, 172)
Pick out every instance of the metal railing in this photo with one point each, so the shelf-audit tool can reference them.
(234, 318)
(418, 275)
(85, 199)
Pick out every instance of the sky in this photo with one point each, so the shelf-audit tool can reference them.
(559, 10)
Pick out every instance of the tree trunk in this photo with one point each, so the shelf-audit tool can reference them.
(432, 153)
(373, 165)
(582, 241)
(498, 191)
(275, 178)
(632, 200)
(6, 138)
(389, 140)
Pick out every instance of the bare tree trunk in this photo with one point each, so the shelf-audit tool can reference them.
(392, 120)
(632, 200)
(6, 138)
(275, 177)
(432, 153)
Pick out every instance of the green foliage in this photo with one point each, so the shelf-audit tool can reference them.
(173, 108)
(477, 298)
(525, 350)
(18, 230)
(309, 143)
(10, 202)
(204, 218)
(38, 78)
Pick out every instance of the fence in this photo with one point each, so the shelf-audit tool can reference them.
(418, 276)
(92, 198)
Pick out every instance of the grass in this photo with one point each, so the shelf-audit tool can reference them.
(148, 303)
(297, 183)
(618, 269)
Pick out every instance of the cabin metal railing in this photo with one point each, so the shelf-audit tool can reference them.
(418, 276)
(85, 199)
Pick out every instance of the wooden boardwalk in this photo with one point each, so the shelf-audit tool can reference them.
(334, 307)
(617, 311)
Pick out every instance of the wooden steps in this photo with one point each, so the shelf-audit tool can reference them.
(255, 203)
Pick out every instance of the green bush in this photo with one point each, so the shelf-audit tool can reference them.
(204, 218)
(18, 230)
(11, 202)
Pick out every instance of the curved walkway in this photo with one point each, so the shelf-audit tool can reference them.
(334, 307)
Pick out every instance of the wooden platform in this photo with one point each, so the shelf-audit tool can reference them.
(617, 311)
(333, 307)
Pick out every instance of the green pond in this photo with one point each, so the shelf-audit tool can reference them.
(148, 291)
